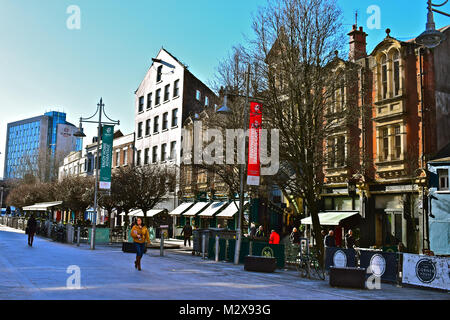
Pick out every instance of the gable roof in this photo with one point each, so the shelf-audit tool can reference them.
(159, 52)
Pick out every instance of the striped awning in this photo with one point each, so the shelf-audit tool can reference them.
(330, 218)
(43, 206)
(181, 208)
(195, 209)
(230, 210)
(140, 213)
(212, 209)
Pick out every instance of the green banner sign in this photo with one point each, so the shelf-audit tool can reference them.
(106, 157)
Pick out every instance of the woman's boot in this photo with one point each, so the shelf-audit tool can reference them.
(135, 263)
(139, 263)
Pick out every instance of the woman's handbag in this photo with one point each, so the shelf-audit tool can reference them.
(26, 230)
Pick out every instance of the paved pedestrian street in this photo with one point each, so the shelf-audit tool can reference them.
(42, 272)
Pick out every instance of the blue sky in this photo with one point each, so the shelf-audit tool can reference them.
(45, 66)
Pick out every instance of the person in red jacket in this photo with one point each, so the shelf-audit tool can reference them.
(274, 238)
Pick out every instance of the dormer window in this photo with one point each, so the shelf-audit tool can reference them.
(159, 74)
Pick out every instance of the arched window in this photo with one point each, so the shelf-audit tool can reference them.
(384, 77)
(396, 73)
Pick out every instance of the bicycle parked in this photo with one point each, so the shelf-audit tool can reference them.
(308, 264)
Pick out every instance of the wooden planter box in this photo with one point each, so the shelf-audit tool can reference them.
(260, 264)
(348, 277)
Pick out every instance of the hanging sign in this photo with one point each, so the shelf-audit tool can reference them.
(106, 157)
(253, 168)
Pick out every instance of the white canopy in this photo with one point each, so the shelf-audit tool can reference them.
(140, 213)
(231, 210)
(43, 206)
(331, 218)
(181, 208)
(212, 209)
(196, 208)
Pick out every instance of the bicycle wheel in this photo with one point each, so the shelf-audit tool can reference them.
(302, 269)
(318, 270)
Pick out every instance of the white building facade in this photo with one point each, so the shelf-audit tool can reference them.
(167, 95)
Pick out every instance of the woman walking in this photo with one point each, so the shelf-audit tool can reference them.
(140, 235)
(31, 229)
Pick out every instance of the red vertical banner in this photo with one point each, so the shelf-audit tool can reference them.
(253, 169)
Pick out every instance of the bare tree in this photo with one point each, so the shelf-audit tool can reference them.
(76, 193)
(295, 42)
(122, 190)
(151, 185)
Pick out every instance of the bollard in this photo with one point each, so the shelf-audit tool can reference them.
(250, 248)
(217, 248)
(161, 248)
(78, 236)
(203, 245)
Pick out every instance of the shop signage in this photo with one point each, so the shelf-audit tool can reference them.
(267, 252)
(383, 265)
(378, 265)
(253, 169)
(401, 188)
(339, 259)
(426, 271)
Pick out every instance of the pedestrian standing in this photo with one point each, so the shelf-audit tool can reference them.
(187, 231)
(329, 240)
(274, 237)
(140, 235)
(260, 232)
(295, 236)
(252, 230)
(31, 229)
(349, 240)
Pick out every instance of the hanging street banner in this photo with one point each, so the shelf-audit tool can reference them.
(253, 169)
(106, 157)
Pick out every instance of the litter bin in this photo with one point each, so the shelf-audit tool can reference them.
(197, 237)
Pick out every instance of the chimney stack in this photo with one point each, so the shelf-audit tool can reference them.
(357, 44)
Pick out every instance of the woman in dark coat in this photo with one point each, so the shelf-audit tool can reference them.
(31, 226)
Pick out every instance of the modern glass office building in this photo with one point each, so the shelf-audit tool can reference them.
(31, 142)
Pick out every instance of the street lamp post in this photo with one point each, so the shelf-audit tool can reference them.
(225, 109)
(431, 37)
(100, 110)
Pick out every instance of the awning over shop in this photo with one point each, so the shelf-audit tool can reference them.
(43, 206)
(331, 218)
(230, 210)
(196, 208)
(212, 209)
(140, 213)
(181, 208)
